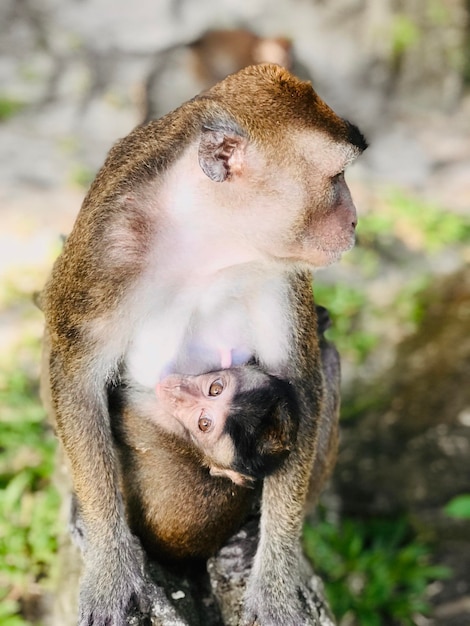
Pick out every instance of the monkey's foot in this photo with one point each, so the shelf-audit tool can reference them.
(116, 590)
(133, 606)
(291, 603)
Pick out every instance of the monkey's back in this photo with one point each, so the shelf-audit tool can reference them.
(177, 509)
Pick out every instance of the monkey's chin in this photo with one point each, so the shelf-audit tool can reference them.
(315, 256)
(334, 256)
(323, 258)
(328, 256)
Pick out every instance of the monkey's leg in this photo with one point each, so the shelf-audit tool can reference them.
(114, 577)
(278, 592)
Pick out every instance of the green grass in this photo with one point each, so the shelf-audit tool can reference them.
(459, 507)
(399, 231)
(375, 572)
(9, 107)
(28, 502)
(419, 225)
(345, 305)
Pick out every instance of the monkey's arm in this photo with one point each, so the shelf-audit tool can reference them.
(276, 594)
(84, 343)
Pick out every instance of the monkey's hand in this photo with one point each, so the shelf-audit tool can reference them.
(114, 582)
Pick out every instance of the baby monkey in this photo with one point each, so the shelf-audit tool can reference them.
(240, 419)
(206, 440)
(209, 438)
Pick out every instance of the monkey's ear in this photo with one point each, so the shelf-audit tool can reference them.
(279, 438)
(221, 153)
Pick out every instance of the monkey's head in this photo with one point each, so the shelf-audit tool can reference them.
(261, 423)
(241, 419)
(281, 153)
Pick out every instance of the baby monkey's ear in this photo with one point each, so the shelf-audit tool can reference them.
(280, 436)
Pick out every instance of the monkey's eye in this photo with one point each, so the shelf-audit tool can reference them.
(216, 388)
(204, 423)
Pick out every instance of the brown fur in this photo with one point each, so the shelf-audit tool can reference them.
(195, 513)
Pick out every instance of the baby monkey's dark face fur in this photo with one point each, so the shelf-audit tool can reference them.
(240, 418)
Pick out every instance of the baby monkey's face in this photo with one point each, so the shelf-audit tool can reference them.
(208, 404)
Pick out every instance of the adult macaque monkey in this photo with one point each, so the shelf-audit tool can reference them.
(239, 190)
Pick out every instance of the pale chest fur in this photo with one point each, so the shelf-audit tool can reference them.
(239, 311)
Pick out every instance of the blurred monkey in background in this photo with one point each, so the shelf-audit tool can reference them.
(182, 71)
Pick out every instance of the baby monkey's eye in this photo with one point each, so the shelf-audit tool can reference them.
(216, 388)
(204, 423)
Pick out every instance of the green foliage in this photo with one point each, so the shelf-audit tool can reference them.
(375, 572)
(420, 225)
(401, 231)
(459, 507)
(28, 502)
(345, 304)
(404, 34)
(9, 107)
(410, 305)
(82, 176)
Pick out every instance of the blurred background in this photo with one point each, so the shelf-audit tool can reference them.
(392, 535)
